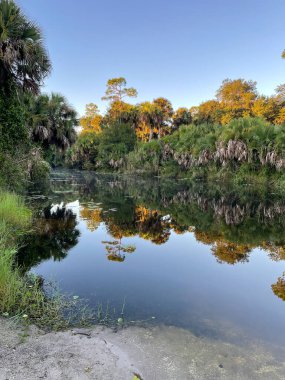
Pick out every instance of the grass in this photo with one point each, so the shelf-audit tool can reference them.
(14, 219)
(13, 212)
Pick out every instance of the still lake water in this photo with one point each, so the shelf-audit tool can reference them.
(203, 259)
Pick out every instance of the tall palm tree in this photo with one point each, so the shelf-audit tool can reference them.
(52, 121)
(150, 115)
(23, 57)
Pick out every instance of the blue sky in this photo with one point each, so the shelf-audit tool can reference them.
(180, 49)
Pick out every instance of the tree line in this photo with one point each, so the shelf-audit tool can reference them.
(234, 99)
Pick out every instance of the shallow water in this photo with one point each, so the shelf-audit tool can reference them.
(204, 259)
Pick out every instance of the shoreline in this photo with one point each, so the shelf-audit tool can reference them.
(160, 352)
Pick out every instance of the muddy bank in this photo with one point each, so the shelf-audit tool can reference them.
(153, 353)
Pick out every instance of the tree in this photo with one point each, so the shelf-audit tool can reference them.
(121, 112)
(13, 131)
(265, 107)
(166, 113)
(117, 90)
(52, 121)
(236, 98)
(91, 121)
(280, 94)
(116, 141)
(182, 116)
(149, 120)
(154, 118)
(280, 119)
(23, 58)
(209, 112)
(91, 110)
(238, 91)
(83, 154)
(166, 108)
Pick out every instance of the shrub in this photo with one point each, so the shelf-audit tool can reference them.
(115, 142)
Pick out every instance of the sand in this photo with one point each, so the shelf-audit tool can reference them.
(156, 353)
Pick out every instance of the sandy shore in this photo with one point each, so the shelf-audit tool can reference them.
(157, 353)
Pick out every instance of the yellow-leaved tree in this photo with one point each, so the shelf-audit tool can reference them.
(91, 121)
(236, 98)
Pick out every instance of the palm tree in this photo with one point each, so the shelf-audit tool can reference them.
(23, 58)
(52, 121)
(150, 116)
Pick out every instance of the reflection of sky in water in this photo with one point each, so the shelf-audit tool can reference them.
(179, 282)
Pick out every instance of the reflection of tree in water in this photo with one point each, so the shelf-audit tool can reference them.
(92, 217)
(231, 223)
(55, 233)
(152, 225)
(116, 250)
(276, 251)
(279, 288)
(230, 253)
(146, 223)
(225, 251)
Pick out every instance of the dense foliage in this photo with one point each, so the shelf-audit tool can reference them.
(249, 147)
(34, 128)
(238, 131)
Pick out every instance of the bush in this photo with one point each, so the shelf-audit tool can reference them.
(116, 141)
(83, 154)
(145, 158)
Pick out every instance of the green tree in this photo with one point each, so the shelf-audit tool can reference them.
(116, 141)
(23, 58)
(83, 154)
(52, 121)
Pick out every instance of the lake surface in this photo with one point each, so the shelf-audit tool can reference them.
(208, 260)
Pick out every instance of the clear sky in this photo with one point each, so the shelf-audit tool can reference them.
(178, 49)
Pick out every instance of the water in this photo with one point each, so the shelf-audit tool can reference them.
(208, 260)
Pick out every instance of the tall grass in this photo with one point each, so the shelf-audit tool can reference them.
(14, 219)
(13, 212)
